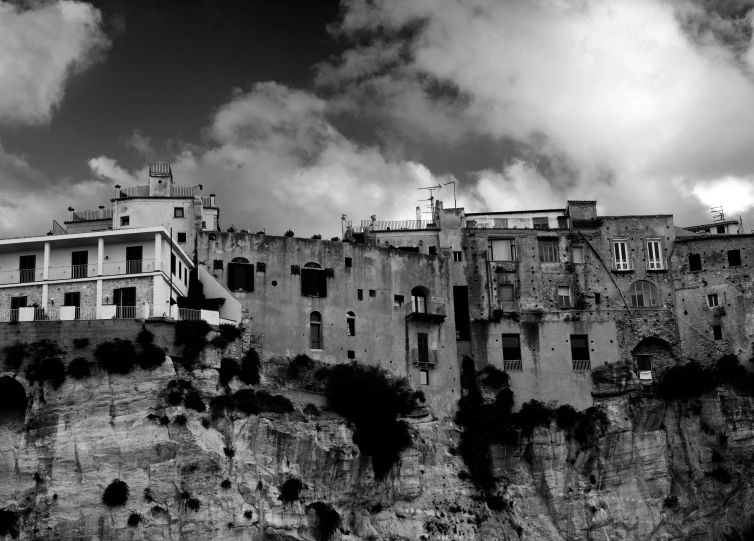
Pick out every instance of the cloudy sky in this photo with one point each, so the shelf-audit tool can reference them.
(295, 113)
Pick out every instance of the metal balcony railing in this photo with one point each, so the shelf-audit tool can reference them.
(425, 357)
(626, 265)
(513, 366)
(187, 314)
(135, 191)
(126, 312)
(182, 191)
(582, 366)
(656, 264)
(134, 266)
(86, 215)
(430, 308)
(400, 225)
(21, 276)
(72, 272)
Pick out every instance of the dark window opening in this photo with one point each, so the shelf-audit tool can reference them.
(720, 229)
(133, 260)
(349, 262)
(695, 262)
(351, 354)
(717, 332)
(372, 293)
(360, 294)
(541, 223)
(313, 281)
(72, 298)
(409, 249)
(124, 221)
(580, 347)
(548, 251)
(734, 258)
(351, 322)
(172, 263)
(217, 264)
(423, 377)
(315, 330)
(597, 298)
(398, 301)
(511, 347)
(79, 264)
(124, 299)
(27, 267)
(644, 362)
(240, 275)
(461, 309)
(422, 339)
(15, 304)
(178, 212)
(181, 237)
(185, 276)
(457, 256)
(433, 250)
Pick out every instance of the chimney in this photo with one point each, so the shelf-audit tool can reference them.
(418, 214)
(70, 214)
(117, 191)
(101, 212)
(211, 200)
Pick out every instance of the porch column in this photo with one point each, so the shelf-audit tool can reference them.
(100, 263)
(46, 262)
(157, 253)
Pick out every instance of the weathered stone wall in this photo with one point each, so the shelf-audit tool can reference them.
(33, 295)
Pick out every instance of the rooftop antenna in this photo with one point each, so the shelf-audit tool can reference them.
(431, 197)
(453, 182)
(717, 214)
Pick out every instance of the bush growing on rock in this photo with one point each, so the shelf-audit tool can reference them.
(250, 365)
(50, 369)
(80, 342)
(311, 409)
(721, 474)
(533, 413)
(255, 402)
(226, 484)
(228, 370)
(494, 377)
(231, 333)
(134, 519)
(328, 520)
(566, 416)
(290, 490)
(373, 400)
(192, 335)
(8, 523)
(194, 401)
(116, 493)
(79, 368)
(180, 420)
(117, 356)
(298, 364)
(194, 504)
(219, 342)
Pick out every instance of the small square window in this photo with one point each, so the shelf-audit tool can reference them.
(564, 297)
(433, 250)
(360, 294)
(372, 293)
(349, 262)
(351, 354)
(695, 262)
(397, 301)
(734, 258)
(541, 223)
(548, 251)
(580, 347)
(424, 377)
(712, 300)
(717, 332)
(644, 362)
(178, 212)
(597, 298)
(217, 264)
(457, 256)
(124, 221)
(181, 237)
(720, 229)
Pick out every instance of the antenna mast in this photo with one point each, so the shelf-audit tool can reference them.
(717, 214)
(431, 198)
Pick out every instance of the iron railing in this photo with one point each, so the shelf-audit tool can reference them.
(513, 366)
(21, 276)
(400, 225)
(582, 365)
(125, 312)
(86, 215)
(182, 191)
(431, 308)
(135, 191)
(187, 314)
(134, 266)
(656, 264)
(206, 201)
(424, 356)
(72, 272)
(491, 222)
(626, 265)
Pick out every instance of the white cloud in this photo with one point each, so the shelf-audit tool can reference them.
(40, 49)
(107, 168)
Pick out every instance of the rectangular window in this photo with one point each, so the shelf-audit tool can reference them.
(597, 298)
(422, 339)
(621, 261)
(360, 294)
(654, 255)
(577, 254)
(511, 347)
(79, 264)
(644, 362)
(180, 270)
(124, 221)
(432, 250)
(181, 237)
(372, 293)
(178, 212)
(564, 297)
(548, 250)
(72, 298)
(501, 223)
(541, 223)
(313, 282)
(217, 264)
(172, 263)
(397, 301)
(133, 260)
(503, 250)
(717, 332)
(185, 276)
(424, 377)
(457, 256)
(125, 300)
(461, 313)
(734, 258)
(27, 268)
(712, 300)
(348, 262)
(580, 347)
(241, 276)
(506, 294)
(351, 354)
(315, 333)
(695, 262)
(720, 229)
(351, 322)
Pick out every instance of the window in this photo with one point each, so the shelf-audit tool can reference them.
(424, 377)
(720, 229)
(717, 332)
(180, 270)
(621, 261)
(419, 300)
(500, 223)
(349, 262)
(397, 301)
(133, 260)
(548, 251)
(217, 264)
(351, 354)
(172, 263)
(503, 250)
(27, 267)
(580, 347)
(79, 264)
(734, 258)
(457, 256)
(178, 212)
(695, 262)
(654, 255)
(124, 221)
(185, 276)
(577, 254)
(313, 281)
(181, 237)
(597, 298)
(511, 347)
(72, 298)
(564, 297)
(351, 322)
(372, 293)
(422, 340)
(315, 330)
(712, 300)
(360, 294)
(506, 294)
(643, 294)
(644, 362)
(541, 223)
(125, 300)
(432, 250)
(204, 225)
(240, 275)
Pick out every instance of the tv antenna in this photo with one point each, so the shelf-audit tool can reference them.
(453, 182)
(717, 214)
(431, 197)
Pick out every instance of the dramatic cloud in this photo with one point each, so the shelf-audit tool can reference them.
(39, 49)
(627, 101)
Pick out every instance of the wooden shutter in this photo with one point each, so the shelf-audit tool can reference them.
(232, 276)
(321, 277)
(249, 271)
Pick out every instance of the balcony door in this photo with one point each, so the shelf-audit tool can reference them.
(125, 300)
(27, 264)
(15, 304)
(79, 264)
(423, 343)
(73, 298)
(133, 259)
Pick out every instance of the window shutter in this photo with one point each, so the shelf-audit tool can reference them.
(306, 282)
(232, 276)
(249, 277)
(322, 279)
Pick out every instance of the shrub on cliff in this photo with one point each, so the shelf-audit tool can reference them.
(290, 490)
(79, 368)
(533, 413)
(328, 520)
(231, 332)
(228, 370)
(49, 369)
(298, 364)
(8, 523)
(116, 493)
(192, 335)
(117, 356)
(80, 342)
(134, 519)
(494, 377)
(194, 401)
(250, 366)
(254, 402)
(15, 354)
(591, 424)
(373, 400)
(567, 416)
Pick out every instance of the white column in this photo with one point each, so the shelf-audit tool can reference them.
(100, 264)
(157, 254)
(46, 262)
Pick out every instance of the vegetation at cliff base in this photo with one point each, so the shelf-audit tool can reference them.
(192, 335)
(116, 493)
(116, 356)
(250, 366)
(328, 520)
(228, 370)
(46, 364)
(290, 490)
(79, 368)
(80, 342)
(373, 400)
(692, 379)
(134, 519)
(250, 402)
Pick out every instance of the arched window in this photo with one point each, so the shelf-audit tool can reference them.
(419, 299)
(315, 330)
(313, 281)
(240, 275)
(644, 294)
(351, 321)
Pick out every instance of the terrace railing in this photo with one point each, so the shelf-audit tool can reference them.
(424, 356)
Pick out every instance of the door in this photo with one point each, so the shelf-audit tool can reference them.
(423, 342)
(15, 304)
(133, 259)
(420, 303)
(125, 300)
(73, 298)
(79, 264)
(27, 264)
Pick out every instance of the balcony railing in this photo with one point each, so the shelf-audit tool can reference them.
(126, 312)
(182, 191)
(86, 215)
(21, 276)
(427, 311)
(424, 357)
(72, 272)
(187, 314)
(582, 366)
(134, 266)
(135, 191)
(401, 225)
(513, 366)
(623, 266)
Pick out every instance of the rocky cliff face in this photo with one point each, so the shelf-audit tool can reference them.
(678, 471)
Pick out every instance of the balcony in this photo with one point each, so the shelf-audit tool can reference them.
(89, 215)
(424, 357)
(134, 266)
(513, 366)
(429, 312)
(623, 266)
(401, 225)
(582, 365)
(74, 272)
